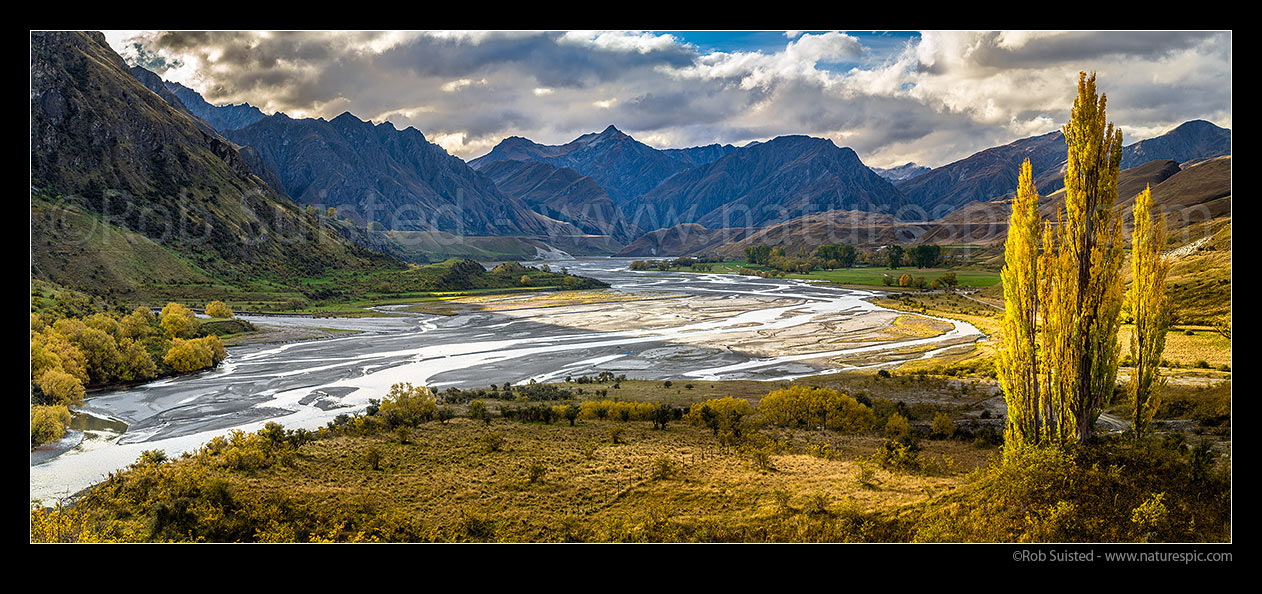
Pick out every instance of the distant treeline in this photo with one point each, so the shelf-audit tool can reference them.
(825, 257)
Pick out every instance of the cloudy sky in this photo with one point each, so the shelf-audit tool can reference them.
(931, 97)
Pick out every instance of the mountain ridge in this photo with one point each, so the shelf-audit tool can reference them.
(624, 167)
(375, 173)
(768, 182)
(113, 155)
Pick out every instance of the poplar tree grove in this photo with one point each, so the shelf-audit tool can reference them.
(1056, 386)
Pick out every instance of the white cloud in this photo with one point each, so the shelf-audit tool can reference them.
(456, 85)
(621, 41)
(799, 61)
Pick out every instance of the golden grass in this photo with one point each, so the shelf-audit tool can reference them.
(1204, 344)
(443, 472)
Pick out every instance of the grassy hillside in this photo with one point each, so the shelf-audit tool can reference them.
(130, 194)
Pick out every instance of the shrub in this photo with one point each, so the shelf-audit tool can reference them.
(178, 321)
(478, 411)
(823, 450)
(533, 413)
(620, 410)
(445, 413)
(663, 468)
(662, 414)
(719, 413)
(61, 388)
(897, 428)
(1114, 491)
(817, 504)
(151, 458)
(535, 471)
(943, 427)
(804, 406)
(48, 423)
(865, 475)
(475, 524)
(566, 411)
(246, 451)
(218, 309)
(406, 404)
(895, 455)
(1151, 516)
(194, 354)
(589, 450)
(493, 442)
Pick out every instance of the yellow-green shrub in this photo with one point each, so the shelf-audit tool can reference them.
(194, 354)
(48, 423)
(178, 321)
(218, 309)
(406, 404)
(805, 406)
(61, 387)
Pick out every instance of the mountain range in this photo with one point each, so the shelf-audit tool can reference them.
(376, 174)
(770, 182)
(623, 166)
(601, 193)
(659, 188)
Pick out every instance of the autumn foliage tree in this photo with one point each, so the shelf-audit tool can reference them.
(1073, 287)
(178, 321)
(1149, 306)
(1017, 365)
(1083, 282)
(195, 353)
(218, 309)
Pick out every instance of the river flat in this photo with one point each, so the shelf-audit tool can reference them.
(651, 325)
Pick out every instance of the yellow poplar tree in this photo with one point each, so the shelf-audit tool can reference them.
(1082, 262)
(1149, 305)
(1017, 365)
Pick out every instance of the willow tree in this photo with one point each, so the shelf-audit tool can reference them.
(1148, 304)
(1082, 260)
(1017, 364)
